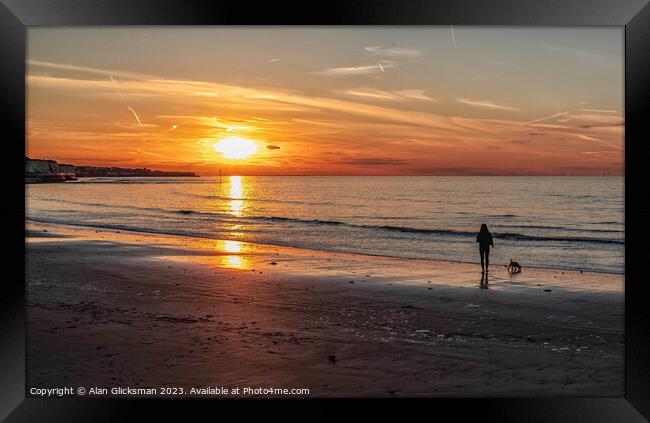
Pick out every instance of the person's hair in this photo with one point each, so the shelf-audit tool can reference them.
(484, 228)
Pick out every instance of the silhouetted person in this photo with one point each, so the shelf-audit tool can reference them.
(484, 240)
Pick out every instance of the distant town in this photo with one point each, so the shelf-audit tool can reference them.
(42, 171)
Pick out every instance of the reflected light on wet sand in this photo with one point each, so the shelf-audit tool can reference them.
(231, 251)
(233, 262)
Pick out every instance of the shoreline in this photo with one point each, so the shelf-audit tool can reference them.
(111, 308)
(37, 222)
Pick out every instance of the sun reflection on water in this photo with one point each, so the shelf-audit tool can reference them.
(233, 246)
(231, 253)
(236, 196)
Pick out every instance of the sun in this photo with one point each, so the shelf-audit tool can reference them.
(235, 147)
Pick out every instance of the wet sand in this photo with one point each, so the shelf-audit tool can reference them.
(111, 308)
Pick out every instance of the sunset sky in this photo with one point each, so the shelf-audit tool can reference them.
(329, 101)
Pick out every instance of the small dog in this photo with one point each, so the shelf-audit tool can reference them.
(514, 267)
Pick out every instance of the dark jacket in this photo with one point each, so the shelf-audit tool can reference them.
(484, 240)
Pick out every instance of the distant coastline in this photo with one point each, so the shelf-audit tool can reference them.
(48, 171)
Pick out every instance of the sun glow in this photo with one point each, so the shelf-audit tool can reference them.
(235, 147)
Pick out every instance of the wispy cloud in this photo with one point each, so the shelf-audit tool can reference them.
(356, 70)
(393, 52)
(582, 118)
(384, 56)
(599, 111)
(84, 69)
(371, 93)
(415, 94)
(399, 95)
(586, 137)
(486, 104)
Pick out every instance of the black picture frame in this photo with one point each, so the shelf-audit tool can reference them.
(634, 15)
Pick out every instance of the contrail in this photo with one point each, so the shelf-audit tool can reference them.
(453, 36)
(118, 91)
(587, 138)
(136, 116)
(124, 101)
(547, 118)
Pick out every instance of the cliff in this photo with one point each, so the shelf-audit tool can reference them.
(47, 171)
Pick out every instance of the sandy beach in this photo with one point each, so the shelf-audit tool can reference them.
(113, 308)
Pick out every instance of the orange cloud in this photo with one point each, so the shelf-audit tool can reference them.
(83, 119)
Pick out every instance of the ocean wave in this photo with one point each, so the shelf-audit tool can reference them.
(407, 229)
(282, 242)
(116, 206)
(119, 227)
(511, 236)
(563, 228)
(506, 236)
(521, 237)
(447, 232)
(261, 200)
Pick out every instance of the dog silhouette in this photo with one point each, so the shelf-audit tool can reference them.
(514, 267)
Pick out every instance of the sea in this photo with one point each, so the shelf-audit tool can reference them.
(572, 223)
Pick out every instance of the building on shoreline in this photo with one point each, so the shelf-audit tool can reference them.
(43, 171)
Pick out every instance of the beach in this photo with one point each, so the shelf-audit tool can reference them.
(109, 307)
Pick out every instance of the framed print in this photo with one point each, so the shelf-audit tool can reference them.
(440, 204)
